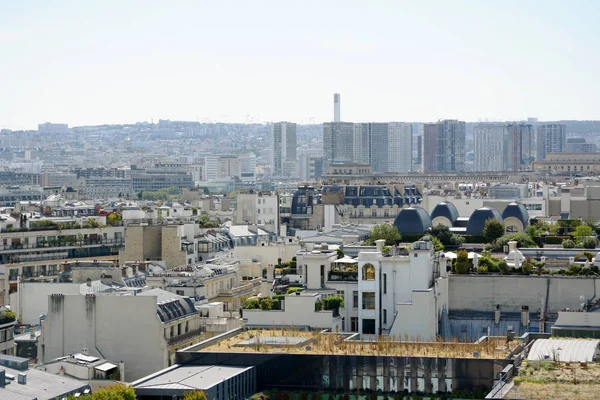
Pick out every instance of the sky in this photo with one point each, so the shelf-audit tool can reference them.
(108, 62)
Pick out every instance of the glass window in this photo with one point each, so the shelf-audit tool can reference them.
(368, 273)
(368, 301)
(354, 324)
(368, 326)
(384, 283)
(355, 299)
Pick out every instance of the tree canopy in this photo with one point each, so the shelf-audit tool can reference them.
(387, 232)
(493, 230)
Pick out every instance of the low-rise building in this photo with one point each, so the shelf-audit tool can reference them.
(115, 324)
(95, 371)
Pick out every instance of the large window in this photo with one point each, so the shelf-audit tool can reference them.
(368, 326)
(368, 300)
(368, 272)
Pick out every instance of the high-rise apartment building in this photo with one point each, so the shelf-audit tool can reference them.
(338, 143)
(551, 138)
(379, 133)
(491, 143)
(362, 143)
(400, 148)
(430, 148)
(284, 149)
(520, 151)
(444, 146)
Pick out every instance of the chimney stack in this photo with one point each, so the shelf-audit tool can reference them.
(336, 107)
(497, 314)
(525, 315)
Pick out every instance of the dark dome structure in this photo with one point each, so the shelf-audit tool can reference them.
(517, 211)
(477, 220)
(446, 210)
(412, 221)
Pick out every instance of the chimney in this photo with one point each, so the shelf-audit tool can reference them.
(497, 314)
(512, 245)
(61, 371)
(122, 371)
(525, 315)
(336, 108)
(380, 244)
(22, 378)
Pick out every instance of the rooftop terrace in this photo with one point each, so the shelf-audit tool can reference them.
(305, 342)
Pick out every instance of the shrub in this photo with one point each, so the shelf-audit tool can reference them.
(195, 395)
(252, 304)
(388, 232)
(503, 267)
(482, 269)
(457, 240)
(462, 262)
(437, 245)
(589, 242)
(340, 254)
(293, 290)
(266, 304)
(118, 391)
(568, 244)
(7, 315)
(527, 267)
(488, 263)
(523, 240)
(441, 232)
(332, 302)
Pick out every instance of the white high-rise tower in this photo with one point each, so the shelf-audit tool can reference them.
(336, 107)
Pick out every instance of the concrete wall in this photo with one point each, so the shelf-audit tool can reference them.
(483, 292)
(120, 328)
(299, 311)
(31, 300)
(267, 254)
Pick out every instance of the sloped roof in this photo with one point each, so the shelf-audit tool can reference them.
(445, 209)
(477, 220)
(516, 210)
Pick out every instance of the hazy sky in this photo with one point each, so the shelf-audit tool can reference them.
(126, 61)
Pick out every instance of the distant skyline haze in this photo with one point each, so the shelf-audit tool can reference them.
(110, 62)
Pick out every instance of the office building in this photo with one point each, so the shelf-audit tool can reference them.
(491, 143)
(520, 153)
(379, 133)
(429, 148)
(338, 143)
(336, 107)
(362, 143)
(551, 138)
(284, 149)
(229, 167)
(580, 145)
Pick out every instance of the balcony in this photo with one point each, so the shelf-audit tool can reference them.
(245, 289)
(342, 276)
(66, 242)
(186, 336)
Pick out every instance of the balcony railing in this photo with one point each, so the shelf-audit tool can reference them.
(336, 275)
(242, 289)
(62, 243)
(186, 336)
(61, 227)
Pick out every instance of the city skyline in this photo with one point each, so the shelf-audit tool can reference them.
(112, 63)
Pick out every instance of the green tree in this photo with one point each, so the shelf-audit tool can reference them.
(195, 395)
(140, 195)
(493, 230)
(437, 244)
(387, 232)
(442, 232)
(457, 240)
(340, 253)
(114, 392)
(114, 219)
(582, 231)
(522, 239)
(462, 262)
(266, 304)
(568, 244)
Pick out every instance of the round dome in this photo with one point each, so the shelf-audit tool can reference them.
(518, 211)
(477, 220)
(412, 221)
(445, 209)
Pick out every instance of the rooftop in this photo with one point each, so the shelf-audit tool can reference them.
(306, 342)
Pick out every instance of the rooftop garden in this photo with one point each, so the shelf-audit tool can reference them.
(7, 316)
(557, 380)
(337, 344)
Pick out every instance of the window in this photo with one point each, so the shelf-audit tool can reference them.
(355, 299)
(179, 292)
(368, 326)
(368, 301)
(354, 324)
(368, 272)
(341, 294)
(384, 316)
(384, 283)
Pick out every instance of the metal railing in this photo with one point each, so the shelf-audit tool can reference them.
(242, 289)
(62, 243)
(186, 336)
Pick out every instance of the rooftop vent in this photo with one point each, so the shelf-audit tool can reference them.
(22, 378)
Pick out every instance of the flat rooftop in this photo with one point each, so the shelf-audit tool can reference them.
(188, 377)
(306, 342)
(556, 380)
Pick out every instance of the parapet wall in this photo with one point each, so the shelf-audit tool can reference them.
(483, 292)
